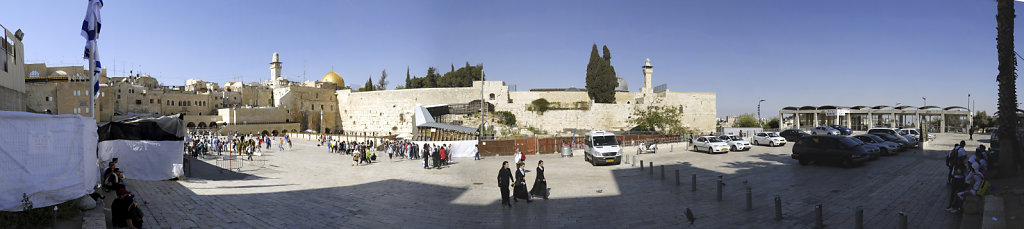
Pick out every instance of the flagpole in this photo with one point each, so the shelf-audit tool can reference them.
(92, 71)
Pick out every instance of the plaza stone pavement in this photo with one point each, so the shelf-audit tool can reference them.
(306, 187)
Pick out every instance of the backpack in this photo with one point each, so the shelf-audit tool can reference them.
(984, 188)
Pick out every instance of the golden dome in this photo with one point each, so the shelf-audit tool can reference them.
(333, 77)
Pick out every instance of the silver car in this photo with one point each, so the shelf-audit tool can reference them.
(824, 130)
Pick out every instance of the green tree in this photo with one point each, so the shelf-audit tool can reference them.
(382, 84)
(430, 81)
(773, 123)
(1007, 79)
(666, 119)
(601, 80)
(408, 78)
(540, 105)
(746, 120)
(982, 120)
(369, 85)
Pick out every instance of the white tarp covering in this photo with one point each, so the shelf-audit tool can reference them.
(50, 158)
(465, 148)
(145, 160)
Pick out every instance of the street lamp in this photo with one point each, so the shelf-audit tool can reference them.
(925, 101)
(759, 112)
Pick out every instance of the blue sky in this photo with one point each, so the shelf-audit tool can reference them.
(790, 53)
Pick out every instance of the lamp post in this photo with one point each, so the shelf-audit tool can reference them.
(925, 101)
(759, 112)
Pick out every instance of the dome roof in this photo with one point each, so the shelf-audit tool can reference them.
(622, 84)
(333, 77)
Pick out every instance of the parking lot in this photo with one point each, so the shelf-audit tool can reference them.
(307, 187)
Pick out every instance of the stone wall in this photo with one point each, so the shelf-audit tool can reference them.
(253, 115)
(259, 128)
(390, 111)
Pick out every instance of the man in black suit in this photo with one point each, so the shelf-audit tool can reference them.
(504, 177)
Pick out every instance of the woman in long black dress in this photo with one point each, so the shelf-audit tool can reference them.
(540, 185)
(520, 189)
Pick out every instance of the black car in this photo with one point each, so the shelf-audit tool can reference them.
(830, 148)
(904, 144)
(793, 135)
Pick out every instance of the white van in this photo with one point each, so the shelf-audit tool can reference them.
(601, 148)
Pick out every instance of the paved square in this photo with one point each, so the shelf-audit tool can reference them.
(306, 187)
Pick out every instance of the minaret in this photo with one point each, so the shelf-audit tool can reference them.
(648, 70)
(275, 70)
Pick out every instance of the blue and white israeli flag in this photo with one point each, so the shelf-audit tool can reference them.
(91, 31)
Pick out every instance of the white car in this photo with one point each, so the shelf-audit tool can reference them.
(771, 138)
(824, 130)
(736, 143)
(710, 144)
(915, 133)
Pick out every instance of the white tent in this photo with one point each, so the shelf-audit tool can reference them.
(48, 158)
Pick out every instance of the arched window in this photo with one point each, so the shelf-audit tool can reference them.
(492, 96)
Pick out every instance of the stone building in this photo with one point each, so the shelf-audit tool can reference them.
(12, 70)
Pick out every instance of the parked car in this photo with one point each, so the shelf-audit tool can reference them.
(904, 144)
(886, 147)
(842, 129)
(910, 138)
(830, 148)
(891, 131)
(771, 138)
(873, 150)
(916, 133)
(736, 143)
(711, 144)
(824, 130)
(601, 148)
(793, 135)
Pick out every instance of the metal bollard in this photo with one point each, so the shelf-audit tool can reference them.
(859, 219)
(651, 165)
(693, 182)
(818, 221)
(720, 188)
(903, 220)
(55, 216)
(641, 165)
(677, 177)
(662, 172)
(778, 208)
(750, 201)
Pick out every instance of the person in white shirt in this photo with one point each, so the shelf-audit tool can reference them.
(518, 155)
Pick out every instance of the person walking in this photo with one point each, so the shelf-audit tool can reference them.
(504, 177)
(520, 186)
(540, 184)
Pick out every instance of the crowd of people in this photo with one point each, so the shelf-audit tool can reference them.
(434, 156)
(968, 174)
(205, 143)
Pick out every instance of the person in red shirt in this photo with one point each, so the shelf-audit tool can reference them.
(444, 156)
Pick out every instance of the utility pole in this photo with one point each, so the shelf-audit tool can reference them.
(759, 113)
(481, 138)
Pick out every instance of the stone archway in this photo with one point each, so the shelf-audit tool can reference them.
(213, 125)
(265, 133)
(274, 133)
(190, 125)
(202, 125)
(327, 130)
